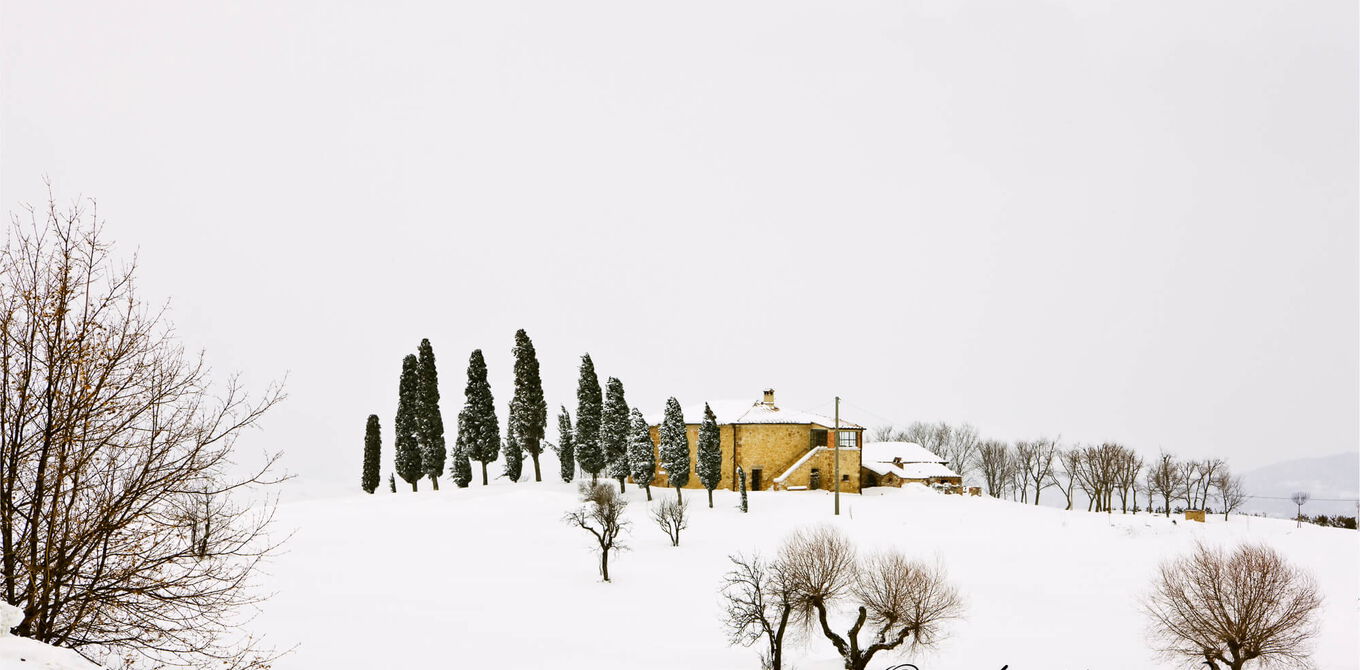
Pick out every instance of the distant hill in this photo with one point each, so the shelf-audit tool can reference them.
(1336, 476)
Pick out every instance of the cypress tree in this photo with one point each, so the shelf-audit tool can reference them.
(409, 464)
(392, 482)
(741, 477)
(430, 426)
(675, 446)
(528, 410)
(614, 422)
(460, 469)
(372, 455)
(514, 453)
(708, 465)
(566, 451)
(589, 407)
(479, 434)
(641, 457)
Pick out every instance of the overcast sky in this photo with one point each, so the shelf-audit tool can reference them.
(1131, 221)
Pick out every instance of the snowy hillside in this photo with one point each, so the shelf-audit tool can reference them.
(18, 653)
(491, 577)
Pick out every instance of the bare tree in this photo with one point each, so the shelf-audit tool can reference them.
(126, 528)
(1300, 499)
(1224, 609)
(1127, 472)
(602, 517)
(671, 516)
(1231, 490)
(760, 606)
(959, 447)
(1070, 459)
(1161, 479)
(1035, 461)
(994, 461)
(896, 598)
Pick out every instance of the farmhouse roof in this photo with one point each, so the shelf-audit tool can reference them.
(906, 452)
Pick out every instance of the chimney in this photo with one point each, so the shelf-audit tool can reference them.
(769, 397)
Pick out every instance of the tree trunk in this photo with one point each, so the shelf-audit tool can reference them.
(483, 473)
(413, 484)
(710, 498)
(537, 476)
(648, 489)
(677, 494)
(622, 489)
(434, 481)
(604, 564)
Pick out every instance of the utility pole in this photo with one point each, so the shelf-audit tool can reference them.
(836, 454)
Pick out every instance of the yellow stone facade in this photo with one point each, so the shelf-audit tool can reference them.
(766, 450)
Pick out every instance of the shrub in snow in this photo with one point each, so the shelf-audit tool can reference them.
(602, 517)
(671, 517)
(887, 596)
(1224, 609)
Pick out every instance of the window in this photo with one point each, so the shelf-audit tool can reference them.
(845, 478)
(819, 437)
(847, 439)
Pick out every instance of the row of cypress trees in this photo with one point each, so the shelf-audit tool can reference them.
(608, 439)
(419, 425)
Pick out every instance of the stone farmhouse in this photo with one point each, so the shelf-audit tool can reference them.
(780, 449)
(898, 463)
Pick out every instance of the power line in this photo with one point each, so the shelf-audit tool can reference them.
(1309, 500)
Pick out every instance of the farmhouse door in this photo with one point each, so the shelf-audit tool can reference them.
(755, 479)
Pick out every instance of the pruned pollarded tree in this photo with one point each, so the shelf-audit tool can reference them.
(127, 530)
(528, 410)
(671, 516)
(759, 605)
(565, 447)
(372, 455)
(674, 446)
(641, 452)
(1225, 609)
(893, 599)
(589, 410)
(1300, 498)
(708, 463)
(614, 424)
(602, 516)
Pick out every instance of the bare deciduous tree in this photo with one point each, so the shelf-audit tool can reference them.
(760, 605)
(1161, 479)
(671, 516)
(1224, 609)
(896, 598)
(127, 530)
(994, 461)
(602, 517)
(1035, 460)
(1231, 491)
(1066, 479)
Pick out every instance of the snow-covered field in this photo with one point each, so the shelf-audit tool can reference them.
(491, 577)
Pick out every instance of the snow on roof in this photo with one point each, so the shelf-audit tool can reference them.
(744, 411)
(907, 452)
(911, 470)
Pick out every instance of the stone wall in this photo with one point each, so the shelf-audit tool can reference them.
(770, 448)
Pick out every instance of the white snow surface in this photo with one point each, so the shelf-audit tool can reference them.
(909, 452)
(21, 653)
(491, 577)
